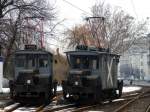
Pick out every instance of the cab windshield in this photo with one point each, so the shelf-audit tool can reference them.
(31, 60)
(84, 62)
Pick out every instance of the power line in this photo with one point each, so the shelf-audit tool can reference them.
(77, 7)
(133, 6)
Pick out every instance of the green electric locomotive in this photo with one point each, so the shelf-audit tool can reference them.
(33, 76)
(92, 74)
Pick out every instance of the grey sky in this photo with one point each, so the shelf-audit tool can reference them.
(139, 9)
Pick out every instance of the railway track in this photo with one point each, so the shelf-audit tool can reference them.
(118, 105)
(11, 107)
(54, 108)
(5, 98)
(137, 98)
(148, 108)
(17, 107)
(76, 108)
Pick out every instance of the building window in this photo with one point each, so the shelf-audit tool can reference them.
(141, 63)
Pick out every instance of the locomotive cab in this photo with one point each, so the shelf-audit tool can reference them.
(92, 73)
(32, 76)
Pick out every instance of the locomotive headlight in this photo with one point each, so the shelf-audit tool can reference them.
(28, 81)
(76, 83)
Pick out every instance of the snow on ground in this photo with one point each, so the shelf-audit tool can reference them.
(141, 82)
(127, 89)
(136, 82)
(136, 85)
(59, 88)
(5, 90)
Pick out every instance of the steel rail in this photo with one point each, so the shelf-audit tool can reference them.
(130, 95)
(84, 108)
(12, 107)
(40, 108)
(131, 101)
(148, 108)
(58, 108)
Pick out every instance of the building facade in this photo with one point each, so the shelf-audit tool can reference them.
(135, 63)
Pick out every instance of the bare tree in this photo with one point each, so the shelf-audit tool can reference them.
(110, 28)
(78, 35)
(121, 29)
(12, 23)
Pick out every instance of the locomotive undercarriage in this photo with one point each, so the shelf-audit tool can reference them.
(93, 73)
(23, 90)
(25, 93)
(91, 91)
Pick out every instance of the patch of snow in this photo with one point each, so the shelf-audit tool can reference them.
(5, 90)
(59, 88)
(127, 89)
(142, 83)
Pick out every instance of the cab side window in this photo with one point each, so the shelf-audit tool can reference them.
(43, 62)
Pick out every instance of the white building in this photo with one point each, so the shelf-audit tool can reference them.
(135, 62)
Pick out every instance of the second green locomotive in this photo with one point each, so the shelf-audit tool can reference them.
(92, 74)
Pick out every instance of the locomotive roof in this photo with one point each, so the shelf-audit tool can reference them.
(86, 52)
(32, 52)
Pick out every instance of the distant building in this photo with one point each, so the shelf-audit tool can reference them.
(135, 63)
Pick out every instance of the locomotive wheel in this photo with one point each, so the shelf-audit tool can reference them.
(97, 98)
(11, 94)
(98, 92)
(120, 86)
(47, 99)
(16, 98)
(112, 95)
(97, 95)
(44, 98)
(11, 86)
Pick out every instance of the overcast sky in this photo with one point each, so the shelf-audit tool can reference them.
(139, 9)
